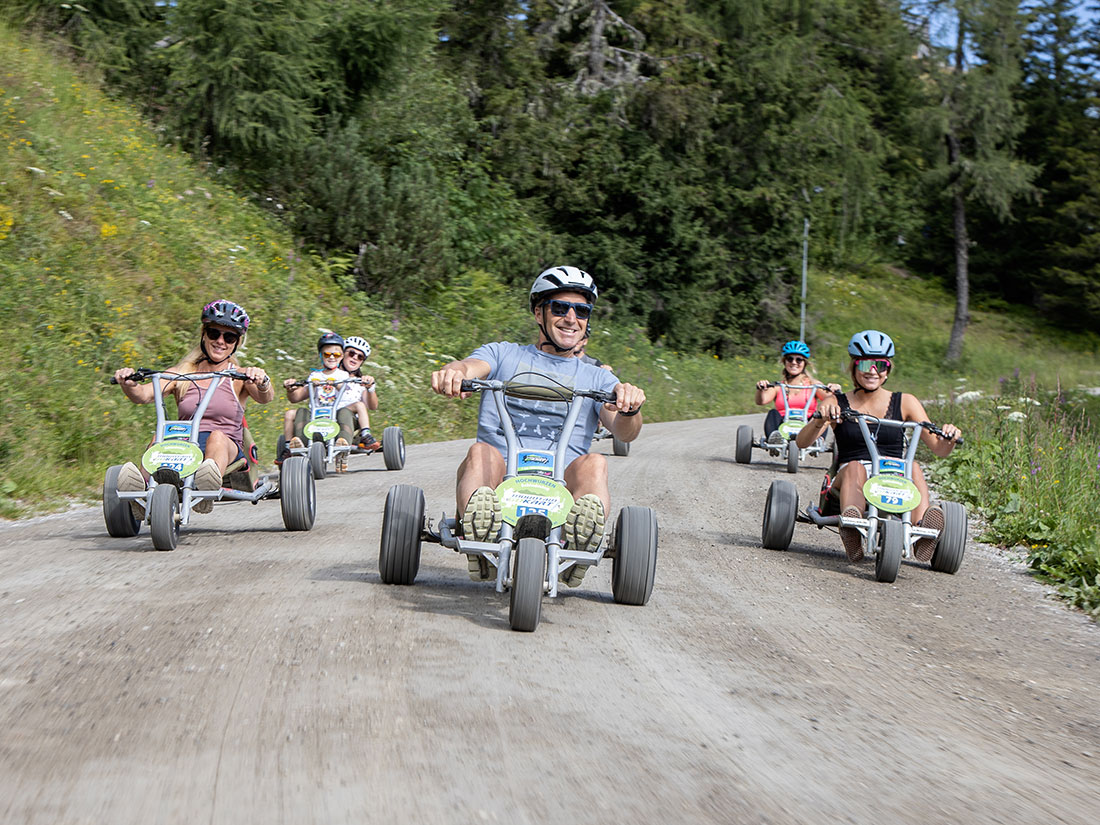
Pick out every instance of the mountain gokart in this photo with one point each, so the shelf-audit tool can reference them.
(322, 429)
(886, 526)
(783, 445)
(529, 554)
(171, 461)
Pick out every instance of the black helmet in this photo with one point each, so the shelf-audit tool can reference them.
(226, 314)
(329, 339)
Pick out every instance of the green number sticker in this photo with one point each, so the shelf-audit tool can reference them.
(790, 428)
(893, 494)
(527, 494)
(182, 456)
(325, 426)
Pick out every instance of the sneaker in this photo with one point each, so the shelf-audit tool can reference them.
(481, 518)
(584, 525)
(850, 537)
(776, 439)
(368, 442)
(207, 477)
(924, 548)
(130, 480)
(340, 463)
(295, 444)
(480, 568)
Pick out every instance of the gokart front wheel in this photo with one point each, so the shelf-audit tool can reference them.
(164, 521)
(891, 541)
(780, 510)
(297, 493)
(620, 447)
(743, 448)
(318, 459)
(393, 448)
(528, 578)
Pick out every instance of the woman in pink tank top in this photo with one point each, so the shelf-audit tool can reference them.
(224, 325)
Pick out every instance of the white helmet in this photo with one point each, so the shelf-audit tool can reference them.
(562, 279)
(355, 342)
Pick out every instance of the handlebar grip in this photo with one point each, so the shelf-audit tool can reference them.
(467, 385)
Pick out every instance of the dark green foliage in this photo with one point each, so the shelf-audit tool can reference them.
(674, 149)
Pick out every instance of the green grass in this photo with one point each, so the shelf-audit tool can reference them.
(110, 243)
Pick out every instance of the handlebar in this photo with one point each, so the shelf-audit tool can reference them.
(772, 384)
(335, 383)
(535, 392)
(854, 415)
(143, 373)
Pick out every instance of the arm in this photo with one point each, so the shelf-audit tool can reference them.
(913, 410)
(829, 410)
(138, 393)
(765, 395)
(295, 394)
(370, 394)
(258, 386)
(448, 380)
(618, 418)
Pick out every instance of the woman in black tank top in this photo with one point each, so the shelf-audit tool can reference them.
(872, 353)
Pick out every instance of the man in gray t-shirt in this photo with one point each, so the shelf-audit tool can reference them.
(561, 302)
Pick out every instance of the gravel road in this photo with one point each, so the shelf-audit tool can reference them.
(260, 676)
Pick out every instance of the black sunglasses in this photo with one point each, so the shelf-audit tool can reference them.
(230, 337)
(561, 308)
(794, 359)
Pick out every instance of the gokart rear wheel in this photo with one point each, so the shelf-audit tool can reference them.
(528, 579)
(634, 567)
(297, 494)
(117, 514)
(402, 520)
(891, 541)
(780, 510)
(393, 448)
(743, 449)
(164, 522)
(951, 545)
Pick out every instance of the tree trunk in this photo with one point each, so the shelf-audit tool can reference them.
(962, 259)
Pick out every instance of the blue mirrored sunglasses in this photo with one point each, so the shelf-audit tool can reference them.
(561, 308)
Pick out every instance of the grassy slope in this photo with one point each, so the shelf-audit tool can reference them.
(109, 243)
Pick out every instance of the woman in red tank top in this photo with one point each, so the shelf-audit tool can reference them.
(796, 370)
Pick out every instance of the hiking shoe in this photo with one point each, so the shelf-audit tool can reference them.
(480, 568)
(207, 477)
(368, 442)
(584, 525)
(850, 537)
(923, 548)
(340, 462)
(130, 480)
(776, 439)
(481, 518)
(574, 575)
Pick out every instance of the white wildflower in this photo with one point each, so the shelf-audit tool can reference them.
(391, 338)
(1016, 416)
(967, 397)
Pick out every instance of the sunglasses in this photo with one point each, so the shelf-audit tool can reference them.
(331, 354)
(878, 364)
(561, 308)
(794, 359)
(229, 337)
(354, 353)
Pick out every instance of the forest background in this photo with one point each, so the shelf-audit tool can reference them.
(404, 169)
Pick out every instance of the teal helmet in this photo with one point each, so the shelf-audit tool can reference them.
(797, 348)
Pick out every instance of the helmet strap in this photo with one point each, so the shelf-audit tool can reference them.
(206, 355)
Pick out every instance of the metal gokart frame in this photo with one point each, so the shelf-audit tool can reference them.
(499, 553)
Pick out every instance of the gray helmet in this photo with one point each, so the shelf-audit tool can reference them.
(562, 279)
(227, 314)
(871, 344)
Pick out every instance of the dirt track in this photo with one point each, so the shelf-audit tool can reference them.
(259, 676)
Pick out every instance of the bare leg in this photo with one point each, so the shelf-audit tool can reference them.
(922, 485)
(362, 414)
(482, 467)
(588, 474)
(221, 448)
(288, 425)
(849, 484)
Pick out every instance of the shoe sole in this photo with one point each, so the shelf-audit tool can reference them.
(481, 518)
(586, 520)
(925, 548)
(850, 537)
